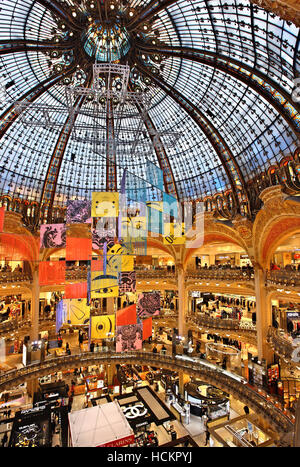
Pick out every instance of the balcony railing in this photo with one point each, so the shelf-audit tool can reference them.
(280, 344)
(223, 324)
(17, 277)
(261, 403)
(284, 277)
(232, 274)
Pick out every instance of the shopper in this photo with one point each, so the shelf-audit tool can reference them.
(246, 410)
(92, 347)
(207, 436)
(4, 440)
(154, 349)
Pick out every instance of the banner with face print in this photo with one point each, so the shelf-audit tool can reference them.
(103, 327)
(119, 260)
(78, 212)
(78, 312)
(148, 304)
(53, 236)
(104, 285)
(174, 233)
(129, 338)
(127, 282)
(105, 204)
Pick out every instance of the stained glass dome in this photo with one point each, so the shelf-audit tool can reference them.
(220, 73)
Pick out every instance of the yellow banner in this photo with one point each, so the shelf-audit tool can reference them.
(104, 286)
(103, 327)
(105, 204)
(78, 312)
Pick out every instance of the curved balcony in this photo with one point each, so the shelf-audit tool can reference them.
(280, 344)
(279, 419)
(17, 325)
(284, 277)
(232, 274)
(17, 277)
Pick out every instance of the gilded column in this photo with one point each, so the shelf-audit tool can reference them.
(182, 301)
(35, 301)
(263, 315)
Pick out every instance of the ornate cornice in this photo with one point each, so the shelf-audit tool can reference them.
(288, 9)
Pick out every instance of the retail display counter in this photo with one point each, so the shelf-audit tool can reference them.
(240, 432)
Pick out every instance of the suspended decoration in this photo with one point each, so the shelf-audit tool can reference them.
(78, 312)
(129, 338)
(78, 290)
(105, 204)
(174, 234)
(147, 328)
(61, 315)
(53, 236)
(78, 249)
(126, 316)
(148, 304)
(127, 282)
(102, 327)
(78, 212)
(52, 272)
(103, 286)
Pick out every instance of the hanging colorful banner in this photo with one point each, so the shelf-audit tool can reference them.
(155, 175)
(52, 272)
(105, 204)
(78, 249)
(97, 263)
(155, 216)
(174, 233)
(147, 328)
(104, 286)
(170, 205)
(78, 212)
(129, 338)
(78, 290)
(148, 304)
(78, 312)
(53, 236)
(126, 316)
(102, 327)
(127, 282)
(61, 315)
(99, 237)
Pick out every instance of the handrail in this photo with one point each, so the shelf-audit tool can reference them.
(279, 343)
(231, 383)
(284, 277)
(8, 277)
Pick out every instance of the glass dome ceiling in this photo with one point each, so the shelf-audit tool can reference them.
(219, 72)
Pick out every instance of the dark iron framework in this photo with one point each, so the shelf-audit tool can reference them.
(232, 60)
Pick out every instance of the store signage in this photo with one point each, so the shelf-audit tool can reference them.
(119, 442)
(33, 410)
(135, 411)
(138, 425)
(293, 314)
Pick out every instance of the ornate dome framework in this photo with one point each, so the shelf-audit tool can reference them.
(219, 72)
